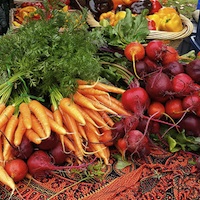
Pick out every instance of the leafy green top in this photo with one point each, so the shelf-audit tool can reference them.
(57, 50)
(131, 28)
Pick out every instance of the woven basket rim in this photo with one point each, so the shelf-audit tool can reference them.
(162, 35)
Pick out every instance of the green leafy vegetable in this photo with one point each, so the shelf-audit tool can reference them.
(179, 141)
(58, 50)
(121, 162)
(131, 28)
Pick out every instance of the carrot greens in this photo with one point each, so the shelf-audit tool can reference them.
(58, 50)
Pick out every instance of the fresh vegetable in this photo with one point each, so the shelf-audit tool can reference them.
(129, 29)
(190, 123)
(174, 108)
(134, 51)
(173, 68)
(48, 143)
(135, 99)
(167, 19)
(155, 50)
(137, 7)
(157, 109)
(156, 6)
(9, 135)
(7, 180)
(158, 86)
(24, 149)
(37, 109)
(137, 143)
(192, 69)
(58, 154)
(39, 164)
(16, 169)
(98, 7)
(182, 84)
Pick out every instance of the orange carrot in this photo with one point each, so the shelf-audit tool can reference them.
(94, 142)
(33, 136)
(69, 107)
(114, 100)
(9, 136)
(101, 86)
(2, 107)
(19, 132)
(39, 111)
(71, 125)
(26, 114)
(97, 118)
(107, 118)
(55, 127)
(6, 179)
(37, 127)
(68, 144)
(1, 152)
(119, 110)
(48, 112)
(57, 115)
(91, 149)
(3, 128)
(86, 116)
(82, 131)
(99, 105)
(81, 100)
(91, 91)
(6, 114)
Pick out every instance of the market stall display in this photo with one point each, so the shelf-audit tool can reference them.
(114, 104)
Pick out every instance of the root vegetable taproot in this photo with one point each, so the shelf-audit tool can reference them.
(68, 106)
(19, 132)
(26, 114)
(9, 136)
(38, 110)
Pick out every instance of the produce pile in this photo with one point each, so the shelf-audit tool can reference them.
(70, 93)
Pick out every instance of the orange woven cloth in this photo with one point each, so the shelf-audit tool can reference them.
(161, 175)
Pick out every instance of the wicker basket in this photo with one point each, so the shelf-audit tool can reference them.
(174, 38)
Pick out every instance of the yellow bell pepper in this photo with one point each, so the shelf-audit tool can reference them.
(109, 16)
(171, 22)
(156, 18)
(118, 16)
(165, 11)
(167, 19)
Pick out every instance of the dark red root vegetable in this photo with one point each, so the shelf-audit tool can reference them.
(24, 150)
(39, 164)
(170, 55)
(48, 143)
(158, 86)
(137, 143)
(118, 130)
(121, 145)
(141, 68)
(191, 102)
(135, 100)
(155, 50)
(151, 65)
(173, 68)
(190, 123)
(193, 70)
(130, 122)
(182, 84)
(58, 155)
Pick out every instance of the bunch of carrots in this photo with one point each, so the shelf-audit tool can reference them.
(77, 120)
